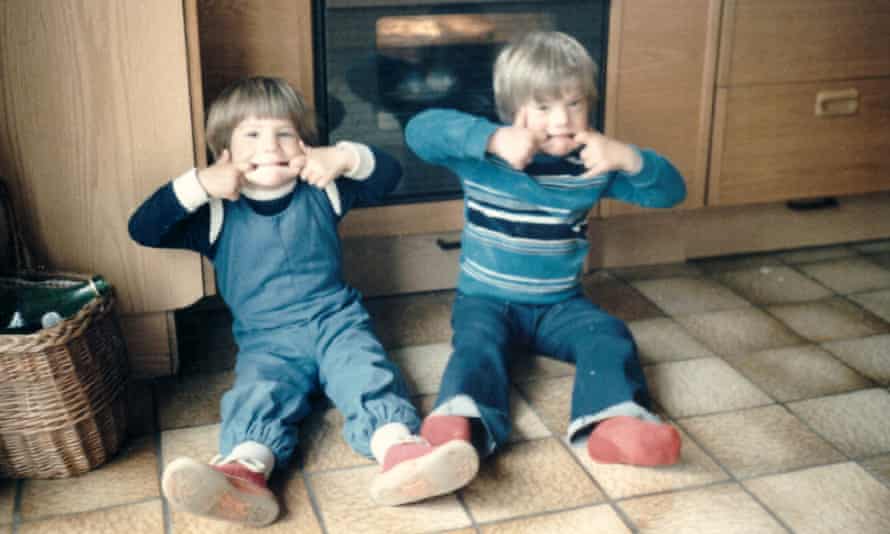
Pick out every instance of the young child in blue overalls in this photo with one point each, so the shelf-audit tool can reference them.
(528, 187)
(266, 213)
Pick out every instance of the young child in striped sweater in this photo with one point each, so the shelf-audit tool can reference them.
(528, 186)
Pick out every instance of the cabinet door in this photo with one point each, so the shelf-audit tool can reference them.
(270, 38)
(791, 41)
(94, 102)
(776, 142)
(659, 83)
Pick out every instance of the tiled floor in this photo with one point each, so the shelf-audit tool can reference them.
(775, 367)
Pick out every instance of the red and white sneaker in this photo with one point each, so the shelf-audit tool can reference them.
(416, 470)
(440, 429)
(234, 491)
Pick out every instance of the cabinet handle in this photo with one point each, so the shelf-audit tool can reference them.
(837, 103)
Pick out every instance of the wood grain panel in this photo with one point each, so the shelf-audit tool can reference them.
(95, 115)
(241, 38)
(780, 41)
(660, 78)
(770, 145)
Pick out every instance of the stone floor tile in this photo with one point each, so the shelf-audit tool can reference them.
(879, 466)
(773, 285)
(529, 478)
(828, 319)
(696, 387)
(800, 372)
(422, 366)
(877, 302)
(551, 399)
(685, 296)
(814, 254)
(868, 355)
(7, 500)
(723, 509)
(736, 262)
(406, 320)
(882, 259)
(322, 445)
(621, 300)
(760, 441)
(872, 247)
(664, 340)
(695, 468)
(739, 331)
(346, 508)
(602, 518)
(142, 419)
(649, 272)
(849, 275)
(536, 367)
(856, 423)
(191, 400)
(828, 499)
(131, 476)
(142, 518)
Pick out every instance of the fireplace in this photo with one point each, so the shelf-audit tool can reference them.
(379, 62)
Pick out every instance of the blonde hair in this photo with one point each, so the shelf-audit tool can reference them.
(262, 97)
(539, 66)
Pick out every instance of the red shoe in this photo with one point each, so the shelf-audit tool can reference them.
(439, 429)
(416, 470)
(628, 440)
(235, 491)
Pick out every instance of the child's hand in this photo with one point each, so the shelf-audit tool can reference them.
(602, 154)
(319, 166)
(515, 144)
(224, 179)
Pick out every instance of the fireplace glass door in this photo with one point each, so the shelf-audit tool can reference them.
(381, 62)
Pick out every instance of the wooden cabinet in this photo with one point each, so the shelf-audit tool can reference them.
(95, 111)
(660, 84)
(803, 101)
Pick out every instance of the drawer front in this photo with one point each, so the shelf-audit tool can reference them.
(779, 41)
(781, 142)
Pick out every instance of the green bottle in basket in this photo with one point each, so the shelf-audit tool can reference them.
(44, 307)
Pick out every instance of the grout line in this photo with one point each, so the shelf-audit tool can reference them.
(166, 515)
(17, 506)
(313, 501)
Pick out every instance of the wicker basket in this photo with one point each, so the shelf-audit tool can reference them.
(63, 401)
(62, 391)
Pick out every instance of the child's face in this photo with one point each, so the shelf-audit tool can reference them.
(556, 120)
(269, 144)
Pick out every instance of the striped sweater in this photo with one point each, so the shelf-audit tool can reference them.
(524, 237)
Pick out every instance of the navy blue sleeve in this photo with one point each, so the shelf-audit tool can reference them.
(162, 222)
(373, 189)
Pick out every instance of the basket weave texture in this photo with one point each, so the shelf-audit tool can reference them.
(63, 402)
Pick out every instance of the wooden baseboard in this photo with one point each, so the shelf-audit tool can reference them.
(677, 236)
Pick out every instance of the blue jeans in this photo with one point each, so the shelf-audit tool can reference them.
(489, 333)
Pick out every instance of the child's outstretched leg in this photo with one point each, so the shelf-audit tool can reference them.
(629, 440)
(230, 489)
(414, 469)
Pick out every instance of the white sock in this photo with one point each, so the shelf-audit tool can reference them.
(251, 450)
(387, 436)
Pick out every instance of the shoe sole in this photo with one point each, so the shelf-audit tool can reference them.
(196, 488)
(446, 469)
